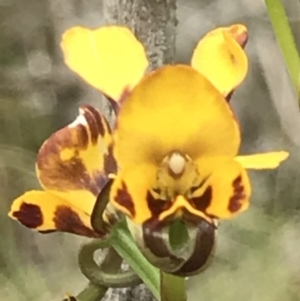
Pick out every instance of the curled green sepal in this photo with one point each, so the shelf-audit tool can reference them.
(91, 270)
(93, 292)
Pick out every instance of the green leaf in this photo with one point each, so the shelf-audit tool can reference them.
(285, 40)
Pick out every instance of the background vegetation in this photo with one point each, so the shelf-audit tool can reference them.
(258, 256)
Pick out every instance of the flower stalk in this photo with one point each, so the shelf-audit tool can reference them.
(92, 292)
(172, 288)
(124, 244)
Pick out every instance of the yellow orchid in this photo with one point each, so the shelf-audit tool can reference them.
(174, 147)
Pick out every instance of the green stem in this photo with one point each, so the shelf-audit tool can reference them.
(123, 243)
(285, 39)
(172, 288)
(92, 292)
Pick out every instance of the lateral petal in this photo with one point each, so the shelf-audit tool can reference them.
(44, 212)
(74, 163)
(269, 160)
(129, 192)
(230, 190)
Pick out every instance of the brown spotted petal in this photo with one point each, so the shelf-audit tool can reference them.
(74, 163)
(194, 255)
(44, 212)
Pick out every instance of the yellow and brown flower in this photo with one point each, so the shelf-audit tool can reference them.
(176, 139)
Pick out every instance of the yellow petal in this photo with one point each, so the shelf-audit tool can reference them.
(109, 58)
(41, 211)
(220, 57)
(224, 194)
(237, 31)
(175, 108)
(74, 163)
(129, 192)
(269, 160)
(231, 190)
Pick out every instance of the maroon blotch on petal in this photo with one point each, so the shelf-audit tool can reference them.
(67, 220)
(236, 201)
(124, 199)
(202, 202)
(29, 215)
(157, 206)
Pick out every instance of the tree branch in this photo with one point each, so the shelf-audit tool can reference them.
(153, 21)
